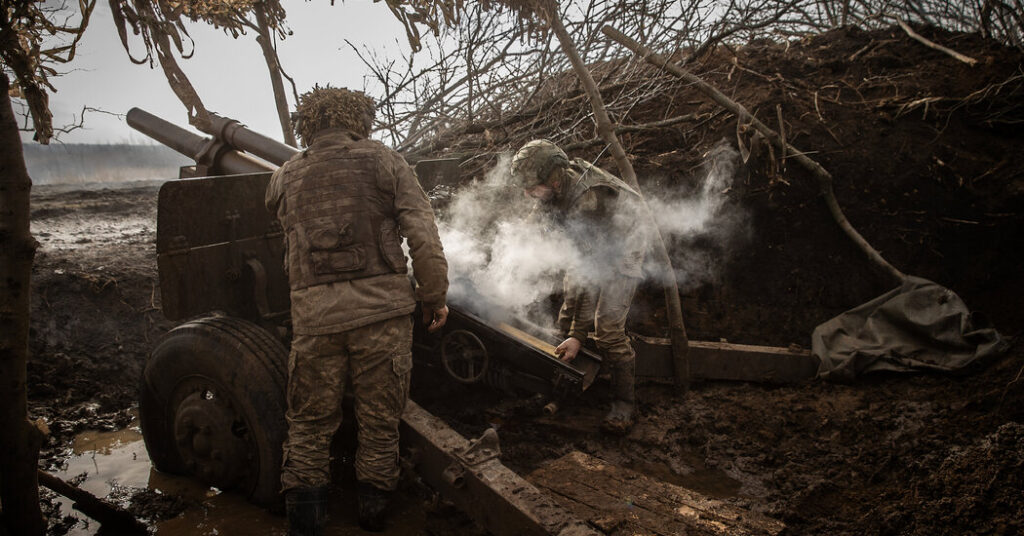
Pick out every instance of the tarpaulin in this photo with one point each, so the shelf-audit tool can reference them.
(920, 325)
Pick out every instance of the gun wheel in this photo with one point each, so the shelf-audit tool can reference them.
(212, 404)
(464, 356)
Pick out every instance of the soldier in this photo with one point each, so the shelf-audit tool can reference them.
(345, 203)
(600, 212)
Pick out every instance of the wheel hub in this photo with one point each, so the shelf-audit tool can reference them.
(210, 439)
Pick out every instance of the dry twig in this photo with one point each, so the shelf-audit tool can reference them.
(933, 45)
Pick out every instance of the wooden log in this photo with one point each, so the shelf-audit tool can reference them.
(726, 361)
(620, 502)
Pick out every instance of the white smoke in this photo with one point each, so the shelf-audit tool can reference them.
(501, 261)
(504, 264)
(693, 214)
(703, 226)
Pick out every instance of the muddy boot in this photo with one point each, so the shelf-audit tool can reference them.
(307, 511)
(373, 502)
(623, 412)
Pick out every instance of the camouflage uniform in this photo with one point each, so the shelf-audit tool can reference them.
(602, 211)
(351, 298)
(377, 358)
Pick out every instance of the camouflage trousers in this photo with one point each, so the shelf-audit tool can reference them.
(610, 303)
(376, 360)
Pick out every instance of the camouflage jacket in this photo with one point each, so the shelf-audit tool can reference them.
(344, 305)
(602, 213)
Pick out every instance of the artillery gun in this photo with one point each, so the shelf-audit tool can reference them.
(212, 397)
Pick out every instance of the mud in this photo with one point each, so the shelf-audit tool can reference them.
(939, 191)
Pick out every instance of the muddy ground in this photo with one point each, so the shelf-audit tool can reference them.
(923, 454)
(939, 190)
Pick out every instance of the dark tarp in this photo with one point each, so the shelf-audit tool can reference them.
(919, 325)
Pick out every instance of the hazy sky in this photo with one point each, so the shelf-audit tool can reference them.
(229, 74)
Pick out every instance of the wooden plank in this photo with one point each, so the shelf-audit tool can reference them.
(619, 502)
(478, 483)
(525, 337)
(586, 361)
(726, 361)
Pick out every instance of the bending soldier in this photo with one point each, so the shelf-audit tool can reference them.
(345, 203)
(599, 211)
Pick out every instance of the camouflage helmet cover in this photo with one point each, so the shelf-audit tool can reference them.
(330, 107)
(535, 161)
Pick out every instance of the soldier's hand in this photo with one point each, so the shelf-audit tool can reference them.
(568, 349)
(435, 319)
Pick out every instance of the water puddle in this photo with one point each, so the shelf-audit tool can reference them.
(115, 465)
(77, 232)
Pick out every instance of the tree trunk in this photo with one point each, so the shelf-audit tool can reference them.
(266, 41)
(19, 439)
(677, 330)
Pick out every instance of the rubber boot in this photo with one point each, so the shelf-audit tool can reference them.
(307, 511)
(623, 411)
(373, 502)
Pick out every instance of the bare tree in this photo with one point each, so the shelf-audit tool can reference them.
(266, 18)
(1002, 20)
(34, 37)
(484, 73)
(489, 69)
(160, 26)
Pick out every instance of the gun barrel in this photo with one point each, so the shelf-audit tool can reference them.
(239, 136)
(203, 150)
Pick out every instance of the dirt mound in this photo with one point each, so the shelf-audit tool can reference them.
(980, 481)
(925, 169)
(925, 152)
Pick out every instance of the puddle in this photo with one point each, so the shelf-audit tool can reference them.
(109, 459)
(77, 232)
(106, 459)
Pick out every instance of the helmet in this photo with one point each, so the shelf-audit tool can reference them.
(329, 107)
(535, 161)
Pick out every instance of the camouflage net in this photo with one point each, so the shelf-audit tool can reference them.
(327, 107)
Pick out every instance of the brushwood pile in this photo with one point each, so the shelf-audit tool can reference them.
(925, 152)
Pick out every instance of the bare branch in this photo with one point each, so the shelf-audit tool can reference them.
(931, 44)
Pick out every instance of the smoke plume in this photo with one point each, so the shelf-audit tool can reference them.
(506, 258)
(702, 226)
(502, 262)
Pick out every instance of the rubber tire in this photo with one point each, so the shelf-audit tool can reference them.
(242, 360)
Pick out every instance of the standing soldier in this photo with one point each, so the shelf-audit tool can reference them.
(345, 203)
(600, 213)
